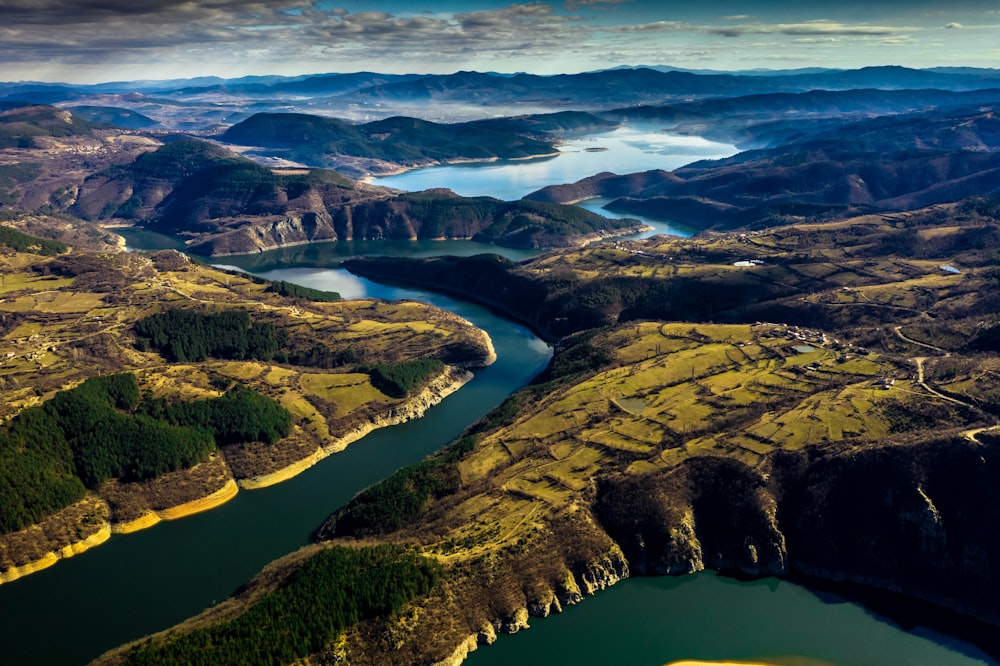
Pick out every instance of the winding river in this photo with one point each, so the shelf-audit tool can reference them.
(144, 582)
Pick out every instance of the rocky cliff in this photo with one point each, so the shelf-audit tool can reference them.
(907, 518)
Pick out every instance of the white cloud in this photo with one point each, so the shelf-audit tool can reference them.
(953, 25)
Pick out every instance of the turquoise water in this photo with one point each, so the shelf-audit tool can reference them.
(653, 621)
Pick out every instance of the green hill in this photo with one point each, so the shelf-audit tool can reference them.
(20, 126)
(321, 141)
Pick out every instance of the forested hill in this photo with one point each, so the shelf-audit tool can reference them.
(26, 126)
(186, 183)
(325, 142)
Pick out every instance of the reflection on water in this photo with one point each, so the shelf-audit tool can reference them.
(653, 621)
(321, 255)
(624, 150)
(656, 226)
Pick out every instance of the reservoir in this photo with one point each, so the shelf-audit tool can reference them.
(145, 582)
(625, 150)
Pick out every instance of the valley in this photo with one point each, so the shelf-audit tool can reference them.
(806, 388)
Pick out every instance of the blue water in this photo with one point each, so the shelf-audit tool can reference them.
(624, 150)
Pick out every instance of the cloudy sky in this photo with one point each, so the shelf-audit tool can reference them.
(103, 40)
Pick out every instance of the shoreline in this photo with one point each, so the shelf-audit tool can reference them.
(452, 379)
(448, 382)
(400, 169)
(227, 492)
(51, 557)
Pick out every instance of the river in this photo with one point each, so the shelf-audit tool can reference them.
(144, 582)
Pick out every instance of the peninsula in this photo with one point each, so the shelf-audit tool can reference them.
(231, 382)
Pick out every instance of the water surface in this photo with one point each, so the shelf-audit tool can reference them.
(144, 582)
(653, 621)
(624, 150)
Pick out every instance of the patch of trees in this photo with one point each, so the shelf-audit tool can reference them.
(21, 242)
(37, 476)
(102, 429)
(184, 336)
(914, 415)
(330, 592)
(987, 340)
(293, 290)
(400, 499)
(398, 380)
(239, 415)
(13, 175)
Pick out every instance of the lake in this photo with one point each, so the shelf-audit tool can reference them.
(139, 583)
(624, 150)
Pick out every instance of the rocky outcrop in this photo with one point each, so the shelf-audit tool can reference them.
(904, 518)
(69, 532)
(431, 215)
(413, 407)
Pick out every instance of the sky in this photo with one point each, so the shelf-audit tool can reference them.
(88, 41)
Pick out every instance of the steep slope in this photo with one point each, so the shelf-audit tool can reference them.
(225, 204)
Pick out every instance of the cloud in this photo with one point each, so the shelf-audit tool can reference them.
(807, 28)
(952, 25)
(573, 5)
(283, 31)
(819, 27)
(817, 40)
(180, 37)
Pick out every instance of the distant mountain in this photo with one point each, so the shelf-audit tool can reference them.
(585, 90)
(375, 92)
(897, 78)
(326, 84)
(644, 85)
(758, 121)
(740, 72)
